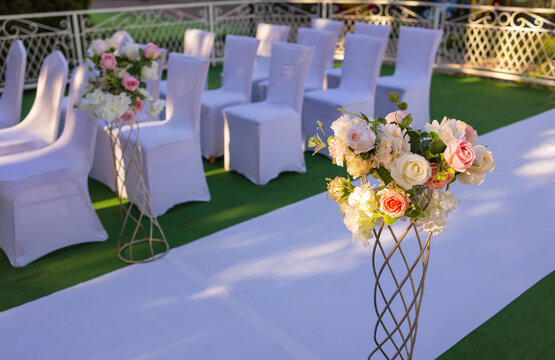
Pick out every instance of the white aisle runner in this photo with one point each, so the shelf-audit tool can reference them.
(291, 284)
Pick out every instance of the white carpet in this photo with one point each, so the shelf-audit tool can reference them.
(291, 284)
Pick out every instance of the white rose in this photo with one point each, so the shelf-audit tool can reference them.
(483, 163)
(131, 51)
(120, 73)
(145, 94)
(358, 167)
(99, 47)
(156, 107)
(361, 139)
(112, 44)
(340, 127)
(469, 178)
(450, 130)
(150, 73)
(410, 170)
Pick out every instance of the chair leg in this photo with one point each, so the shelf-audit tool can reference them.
(212, 159)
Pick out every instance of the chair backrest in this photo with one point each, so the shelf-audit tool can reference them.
(416, 52)
(13, 85)
(198, 43)
(186, 76)
(122, 37)
(288, 69)
(239, 56)
(362, 63)
(80, 128)
(375, 30)
(267, 34)
(335, 26)
(44, 118)
(322, 41)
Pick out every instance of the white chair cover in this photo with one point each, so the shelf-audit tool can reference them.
(172, 160)
(267, 34)
(240, 52)
(361, 68)
(197, 43)
(322, 41)
(40, 126)
(335, 26)
(44, 197)
(416, 53)
(333, 75)
(264, 138)
(10, 101)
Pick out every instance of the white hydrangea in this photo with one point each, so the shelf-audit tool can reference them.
(393, 143)
(441, 204)
(358, 223)
(156, 107)
(145, 94)
(105, 106)
(364, 198)
(341, 127)
(150, 73)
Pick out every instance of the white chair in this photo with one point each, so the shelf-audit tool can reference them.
(240, 53)
(333, 76)
(267, 34)
(40, 126)
(361, 68)
(416, 53)
(172, 160)
(263, 139)
(197, 43)
(10, 101)
(335, 26)
(44, 197)
(322, 41)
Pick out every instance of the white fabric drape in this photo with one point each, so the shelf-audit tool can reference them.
(10, 101)
(44, 197)
(239, 56)
(263, 139)
(416, 53)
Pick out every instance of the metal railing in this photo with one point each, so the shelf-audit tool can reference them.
(501, 42)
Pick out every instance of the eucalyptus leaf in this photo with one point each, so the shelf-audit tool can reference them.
(437, 146)
(402, 106)
(393, 97)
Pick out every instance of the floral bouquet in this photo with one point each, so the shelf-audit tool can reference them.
(118, 91)
(414, 169)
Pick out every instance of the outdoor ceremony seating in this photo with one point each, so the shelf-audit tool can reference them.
(40, 126)
(239, 56)
(264, 139)
(333, 76)
(323, 44)
(416, 53)
(197, 43)
(44, 197)
(335, 26)
(10, 100)
(172, 161)
(267, 34)
(361, 67)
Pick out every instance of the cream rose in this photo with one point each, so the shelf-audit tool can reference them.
(150, 72)
(361, 139)
(358, 167)
(99, 47)
(410, 170)
(131, 51)
(484, 162)
(468, 178)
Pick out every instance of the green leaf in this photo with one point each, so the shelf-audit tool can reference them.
(388, 220)
(437, 146)
(407, 120)
(384, 175)
(415, 141)
(393, 97)
(415, 213)
(402, 106)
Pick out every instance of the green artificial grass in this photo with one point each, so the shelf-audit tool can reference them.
(485, 104)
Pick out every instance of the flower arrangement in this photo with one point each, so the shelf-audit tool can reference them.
(414, 169)
(118, 91)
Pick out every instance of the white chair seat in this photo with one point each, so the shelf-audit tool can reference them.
(19, 141)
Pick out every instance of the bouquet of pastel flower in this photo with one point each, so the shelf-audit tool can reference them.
(118, 91)
(413, 168)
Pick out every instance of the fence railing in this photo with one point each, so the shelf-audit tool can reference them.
(501, 42)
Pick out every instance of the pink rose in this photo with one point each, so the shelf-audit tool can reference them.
(469, 133)
(151, 51)
(108, 61)
(459, 154)
(139, 105)
(128, 116)
(392, 203)
(395, 117)
(130, 82)
(438, 184)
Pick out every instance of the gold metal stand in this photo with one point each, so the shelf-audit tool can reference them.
(398, 291)
(141, 238)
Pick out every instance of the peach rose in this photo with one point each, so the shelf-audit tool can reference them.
(469, 133)
(139, 105)
(459, 154)
(151, 51)
(396, 116)
(438, 184)
(108, 61)
(130, 82)
(393, 203)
